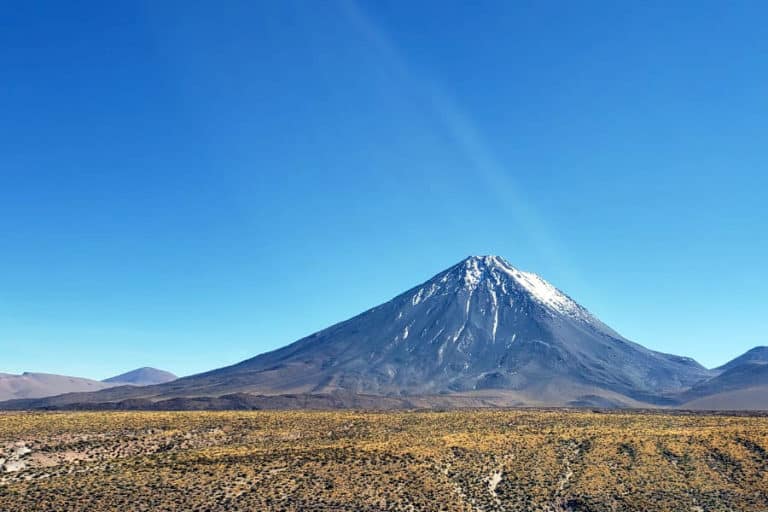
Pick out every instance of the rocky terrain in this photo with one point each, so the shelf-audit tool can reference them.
(469, 461)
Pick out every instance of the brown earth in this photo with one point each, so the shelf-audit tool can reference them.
(488, 460)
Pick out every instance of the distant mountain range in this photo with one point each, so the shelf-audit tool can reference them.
(479, 333)
(741, 386)
(38, 385)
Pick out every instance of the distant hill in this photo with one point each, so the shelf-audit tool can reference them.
(755, 355)
(38, 385)
(740, 387)
(141, 377)
(740, 384)
(31, 385)
(748, 399)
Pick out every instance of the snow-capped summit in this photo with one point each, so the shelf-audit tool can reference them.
(497, 274)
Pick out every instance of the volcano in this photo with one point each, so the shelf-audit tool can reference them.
(481, 327)
(481, 324)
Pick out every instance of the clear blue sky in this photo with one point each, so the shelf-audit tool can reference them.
(185, 185)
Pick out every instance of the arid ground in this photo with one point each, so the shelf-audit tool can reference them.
(367, 461)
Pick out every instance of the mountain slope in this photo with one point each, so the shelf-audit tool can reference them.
(37, 385)
(31, 385)
(755, 355)
(746, 399)
(741, 383)
(730, 389)
(480, 325)
(141, 377)
(739, 377)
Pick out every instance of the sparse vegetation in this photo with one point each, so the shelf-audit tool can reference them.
(357, 461)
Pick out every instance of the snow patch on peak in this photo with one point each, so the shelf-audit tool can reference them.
(489, 268)
(472, 273)
(424, 294)
(500, 263)
(544, 292)
(548, 295)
